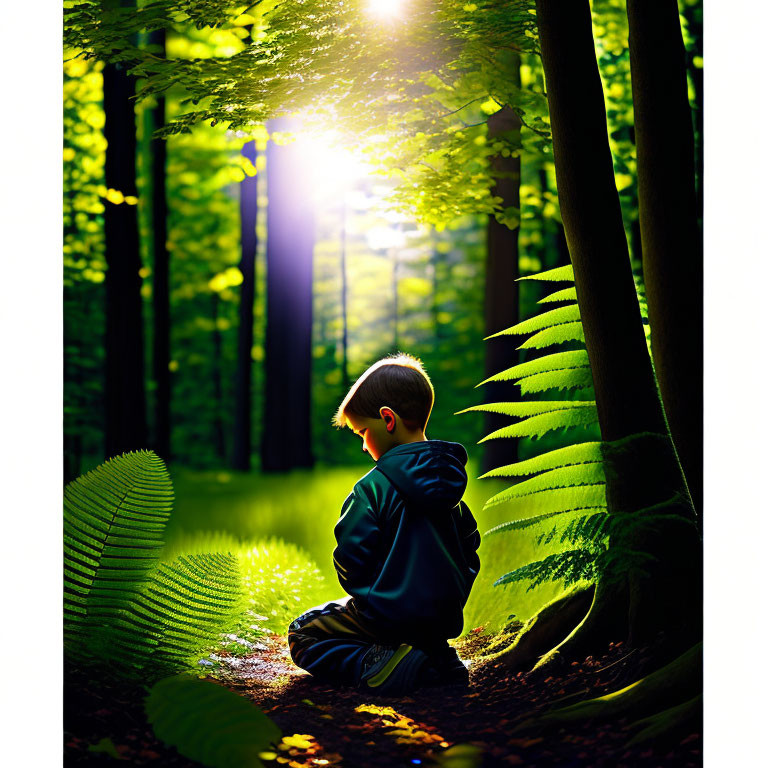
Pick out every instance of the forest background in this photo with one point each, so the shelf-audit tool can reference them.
(35, 394)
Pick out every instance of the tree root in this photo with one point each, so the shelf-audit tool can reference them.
(543, 630)
(670, 723)
(661, 699)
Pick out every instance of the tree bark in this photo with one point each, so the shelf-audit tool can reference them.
(161, 304)
(671, 241)
(502, 291)
(286, 439)
(639, 474)
(241, 457)
(126, 421)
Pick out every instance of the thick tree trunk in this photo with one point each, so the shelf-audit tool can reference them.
(502, 292)
(126, 422)
(286, 439)
(161, 304)
(640, 472)
(241, 456)
(671, 242)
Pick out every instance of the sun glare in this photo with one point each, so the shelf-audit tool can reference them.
(386, 9)
(335, 167)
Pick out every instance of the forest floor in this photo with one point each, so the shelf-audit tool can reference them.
(324, 726)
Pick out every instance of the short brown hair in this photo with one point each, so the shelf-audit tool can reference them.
(398, 381)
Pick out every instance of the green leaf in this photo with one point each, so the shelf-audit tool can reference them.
(114, 518)
(555, 335)
(575, 378)
(555, 500)
(533, 408)
(559, 273)
(208, 723)
(528, 522)
(562, 457)
(549, 319)
(179, 614)
(557, 361)
(567, 294)
(562, 477)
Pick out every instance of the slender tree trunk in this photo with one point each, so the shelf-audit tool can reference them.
(671, 242)
(248, 244)
(286, 439)
(502, 291)
(642, 474)
(161, 303)
(126, 422)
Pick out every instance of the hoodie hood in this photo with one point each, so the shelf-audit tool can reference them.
(428, 473)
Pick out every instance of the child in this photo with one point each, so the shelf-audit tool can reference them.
(406, 551)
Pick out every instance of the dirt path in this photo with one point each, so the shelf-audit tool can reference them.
(323, 726)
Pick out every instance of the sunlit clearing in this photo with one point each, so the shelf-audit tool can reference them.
(386, 9)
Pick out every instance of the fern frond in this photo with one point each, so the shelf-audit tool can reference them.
(558, 273)
(557, 361)
(180, 613)
(550, 319)
(529, 522)
(574, 378)
(562, 477)
(114, 518)
(567, 294)
(570, 567)
(580, 453)
(535, 426)
(531, 408)
(209, 723)
(558, 334)
(573, 497)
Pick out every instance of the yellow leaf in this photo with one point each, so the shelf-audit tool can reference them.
(114, 196)
(131, 200)
(68, 154)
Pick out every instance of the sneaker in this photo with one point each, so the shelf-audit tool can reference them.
(392, 671)
(448, 668)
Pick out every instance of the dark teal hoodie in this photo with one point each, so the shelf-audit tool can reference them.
(407, 544)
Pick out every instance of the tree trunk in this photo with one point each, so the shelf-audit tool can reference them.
(241, 457)
(286, 439)
(126, 422)
(161, 305)
(671, 242)
(502, 291)
(640, 472)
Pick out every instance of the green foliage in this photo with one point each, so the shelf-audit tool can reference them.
(127, 608)
(114, 518)
(555, 317)
(181, 611)
(208, 723)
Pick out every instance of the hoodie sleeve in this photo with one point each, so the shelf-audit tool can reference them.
(470, 538)
(357, 537)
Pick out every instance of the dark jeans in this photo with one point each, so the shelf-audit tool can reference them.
(331, 640)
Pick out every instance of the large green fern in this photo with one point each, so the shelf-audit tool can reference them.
(114, 518)
(121, 606)
(566, 485)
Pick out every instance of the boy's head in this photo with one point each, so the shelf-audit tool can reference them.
(389, 404)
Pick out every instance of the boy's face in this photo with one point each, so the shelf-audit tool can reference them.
(378, 435)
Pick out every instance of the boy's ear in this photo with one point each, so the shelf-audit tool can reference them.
(389, 418)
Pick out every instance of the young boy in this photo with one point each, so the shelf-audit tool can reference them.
(406, 551)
